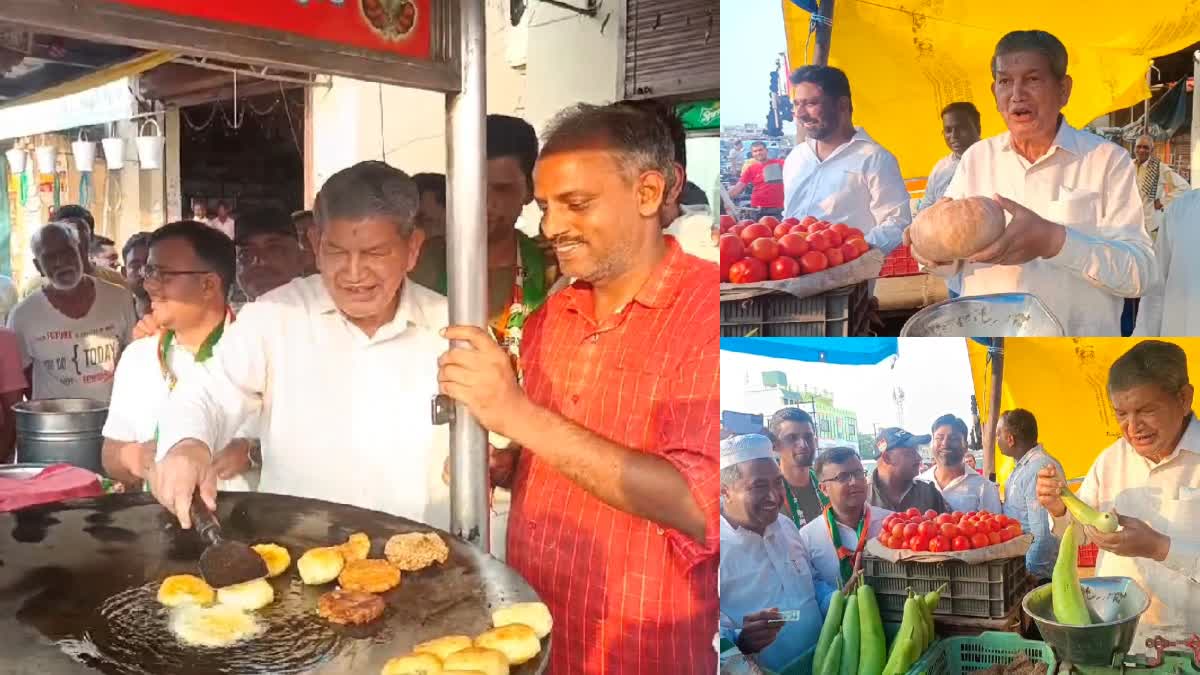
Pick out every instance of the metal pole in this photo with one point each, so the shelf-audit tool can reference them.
(824, 33)
(466, 254)
(1195, 137)
(996, 353)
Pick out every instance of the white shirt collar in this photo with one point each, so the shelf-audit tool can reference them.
(860, 136)
(1066, 138)
(408, 310)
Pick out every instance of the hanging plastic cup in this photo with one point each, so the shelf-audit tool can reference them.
(84, 152)
(150, 147)
(16, 160)
(47, 158)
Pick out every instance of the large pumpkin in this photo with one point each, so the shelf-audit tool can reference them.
(956, 229)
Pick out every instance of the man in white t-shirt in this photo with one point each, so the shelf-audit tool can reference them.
(223, 222)
(73, 330)
(188, 276)
(962, 488)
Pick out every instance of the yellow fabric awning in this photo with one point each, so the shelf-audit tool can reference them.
(905, 66)
(1063, 382)
(97, 78)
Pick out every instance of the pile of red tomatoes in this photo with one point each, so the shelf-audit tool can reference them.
(946, 532)
(775, 250)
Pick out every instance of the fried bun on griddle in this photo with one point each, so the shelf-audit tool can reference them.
(357, 547)
(413, 664)
(536, 615)
(516, 641)
(185, 589)
(277, 558)
(486, 661)
(443, 646)
(249, 596)
(416, 550)
(369, 576)
(350, 607)
(320, 565)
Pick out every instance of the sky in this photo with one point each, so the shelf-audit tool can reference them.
(751, 40)
(933, 372)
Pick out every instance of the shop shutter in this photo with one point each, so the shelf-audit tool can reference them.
(672, 48)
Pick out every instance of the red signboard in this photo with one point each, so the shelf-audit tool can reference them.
(399, 27)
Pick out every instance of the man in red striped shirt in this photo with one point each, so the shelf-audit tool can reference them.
(615, 506)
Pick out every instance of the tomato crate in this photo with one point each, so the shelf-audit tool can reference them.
(841, 312)
(986, 590)
(954, 656)
(1087, 555)
(900, 263)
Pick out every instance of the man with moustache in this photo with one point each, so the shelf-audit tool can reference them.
(190, 271)
(342, 366)
(1151, 479)
(85, 225)
(1017, 438)
(961, 128)
(1075, 236)
(268, 251)
(836, 539)
(764, 567)
(839, 173)
(795, 440)
(963, 490)
(1158, 183)
(894, 485)
(135, 254)
(614, 517)
(73, 330)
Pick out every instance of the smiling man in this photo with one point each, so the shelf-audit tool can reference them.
(268, 251)
(615, 506)
(342, 365)
(796, 442)
(1151, 478)
(1075, 236)
(963, 489)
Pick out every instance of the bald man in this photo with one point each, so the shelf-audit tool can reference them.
(1158, 183)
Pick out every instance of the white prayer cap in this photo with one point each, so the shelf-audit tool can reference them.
(738, 449)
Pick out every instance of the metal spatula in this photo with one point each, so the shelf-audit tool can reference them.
(224, 562)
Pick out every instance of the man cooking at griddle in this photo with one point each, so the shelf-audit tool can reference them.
(342, 366)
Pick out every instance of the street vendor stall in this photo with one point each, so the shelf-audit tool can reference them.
(60, 554)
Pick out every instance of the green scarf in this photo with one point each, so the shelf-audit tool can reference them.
(845, 555)
(794, 510)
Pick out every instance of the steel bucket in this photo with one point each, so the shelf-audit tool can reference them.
(999, 315)
(1115, 604)
(61, 430)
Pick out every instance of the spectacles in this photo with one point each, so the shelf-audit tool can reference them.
(156, 273)
(847, 477)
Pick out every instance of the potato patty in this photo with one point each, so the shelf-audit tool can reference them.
(369, 576)
(416, 550)
(350, 607)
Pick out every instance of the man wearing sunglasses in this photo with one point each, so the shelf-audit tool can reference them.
(835, 540)
(187, 278)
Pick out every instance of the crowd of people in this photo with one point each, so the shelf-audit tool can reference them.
(794, 522)
(604, 432)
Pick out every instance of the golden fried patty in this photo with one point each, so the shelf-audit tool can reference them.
(350, 607)
(357, 547)
(369, 576)
(185, 589)
(416, 550)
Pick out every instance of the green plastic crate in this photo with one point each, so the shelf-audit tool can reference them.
(803, 665)
(987, 590)
(953, 656)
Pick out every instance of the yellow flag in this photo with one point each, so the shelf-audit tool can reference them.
(908, 59)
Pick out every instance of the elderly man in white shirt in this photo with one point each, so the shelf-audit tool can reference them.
(836, 539)
(839, 173)
(1075, 238)
(1158, 183)
(962, 488)
(1151, 479)
(764, 567)
(1172, 306)
(342, 365)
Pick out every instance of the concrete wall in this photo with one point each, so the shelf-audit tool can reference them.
(553, 59)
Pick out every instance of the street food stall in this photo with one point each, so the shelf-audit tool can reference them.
(982, 611)
(74, 575)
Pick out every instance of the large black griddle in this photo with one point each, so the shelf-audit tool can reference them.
(78, 582)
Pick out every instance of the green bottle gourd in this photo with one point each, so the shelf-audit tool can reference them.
(873, 652)
(832, 665)
(833, 623)
(851, 637)
(1101, 520)
(1067, 596)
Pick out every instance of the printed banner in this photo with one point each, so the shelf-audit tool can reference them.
(399, 27)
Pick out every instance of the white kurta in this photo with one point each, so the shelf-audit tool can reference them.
(1172, 306)
(1167, 497)
(969, 492)
(1088, 185)
(761, 572)
(858, 184)
(1170, 186)
(345, 417)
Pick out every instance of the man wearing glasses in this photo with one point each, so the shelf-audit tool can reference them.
(268, 251)
(73, 329)
(835, 540)
(187, 279)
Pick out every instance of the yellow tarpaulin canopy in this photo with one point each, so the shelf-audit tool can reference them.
(97, 78)
(1062, 382)
(906, 60)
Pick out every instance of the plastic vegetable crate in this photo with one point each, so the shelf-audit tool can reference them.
(954, 656)
(1087, 555)
(837, 313)
(900, 263)
(987, 590)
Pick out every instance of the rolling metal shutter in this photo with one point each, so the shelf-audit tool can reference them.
(672, 48)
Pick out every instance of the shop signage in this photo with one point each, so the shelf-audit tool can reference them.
(700, 115)
(396, 27)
